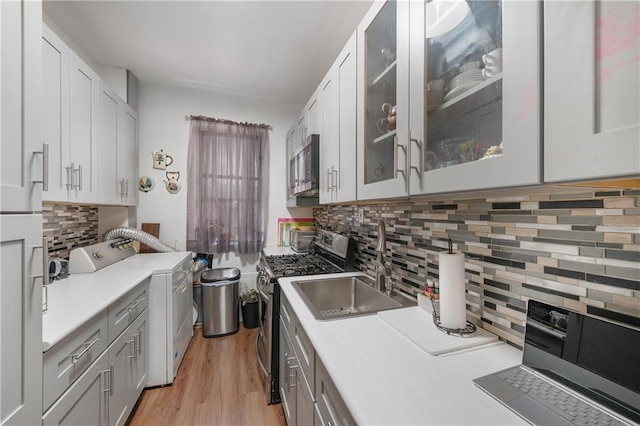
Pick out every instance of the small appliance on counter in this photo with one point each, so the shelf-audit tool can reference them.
(300, 240)
(58, 268)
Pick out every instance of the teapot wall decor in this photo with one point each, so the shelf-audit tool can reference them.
(161, 160)
(172, 183)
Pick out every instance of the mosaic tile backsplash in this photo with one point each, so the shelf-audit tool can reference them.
(578, 249)
(69, 226)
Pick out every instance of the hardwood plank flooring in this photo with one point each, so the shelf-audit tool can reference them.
(218, 383)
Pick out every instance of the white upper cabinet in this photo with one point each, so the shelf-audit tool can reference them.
(383, 94)
(338, 141)
(83, 138)
(592, 89)
(117, 149)
(127, 154)
(476, 75)
(109, 190)
(451, 97)
(55, 124)
(90, 131)
(70, 104)
(313, 112)
(22, 155)
(329, 146)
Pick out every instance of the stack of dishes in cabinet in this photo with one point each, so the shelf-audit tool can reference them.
(435, 93)
(470, 75)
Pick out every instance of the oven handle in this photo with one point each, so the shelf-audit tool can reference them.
(264, 370)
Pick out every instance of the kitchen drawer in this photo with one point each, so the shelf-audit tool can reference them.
(306, 355)
(67, 360)
(181, 274)
(127, 308)
(86, 402)
(286, 313)
(331, 407)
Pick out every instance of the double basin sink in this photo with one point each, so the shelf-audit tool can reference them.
(344, 297)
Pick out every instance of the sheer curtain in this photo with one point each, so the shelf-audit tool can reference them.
(228, 178)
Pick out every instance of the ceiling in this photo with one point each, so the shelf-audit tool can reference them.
(272, 50)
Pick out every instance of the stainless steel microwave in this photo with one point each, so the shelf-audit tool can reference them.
(303, 168)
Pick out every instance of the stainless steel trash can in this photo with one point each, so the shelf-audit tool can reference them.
(220, 301)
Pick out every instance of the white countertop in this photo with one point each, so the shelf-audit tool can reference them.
(157, 263)
(386, 379)
(75, 300)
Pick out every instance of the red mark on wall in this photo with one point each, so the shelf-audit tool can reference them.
(617, 37)
(529, 102)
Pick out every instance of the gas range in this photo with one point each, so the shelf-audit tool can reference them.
(329, 253)
(300, 264)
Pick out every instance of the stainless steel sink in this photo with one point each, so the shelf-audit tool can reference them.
(335, 298)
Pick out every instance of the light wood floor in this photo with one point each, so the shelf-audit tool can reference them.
(218, 383)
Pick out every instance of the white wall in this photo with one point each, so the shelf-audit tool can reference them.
(162, 125)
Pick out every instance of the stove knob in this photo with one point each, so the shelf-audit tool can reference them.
(98, 255)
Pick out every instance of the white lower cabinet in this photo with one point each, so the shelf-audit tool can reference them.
(308, 394)
(128, 357)
(287, 390)
(104, 384)
(86, 401)
(331, 408)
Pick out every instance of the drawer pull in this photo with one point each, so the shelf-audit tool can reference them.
(87, 345)
(134, 305)
(110, 373)
(136, 347)
(136, 344)
(290, 375)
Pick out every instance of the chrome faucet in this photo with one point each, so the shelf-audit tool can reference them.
(382, 271)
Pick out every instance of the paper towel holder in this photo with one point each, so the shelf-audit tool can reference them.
(457, 332)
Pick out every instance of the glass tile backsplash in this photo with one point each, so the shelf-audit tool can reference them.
(575, 248)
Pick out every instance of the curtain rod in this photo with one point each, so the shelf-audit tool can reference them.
(224, 121)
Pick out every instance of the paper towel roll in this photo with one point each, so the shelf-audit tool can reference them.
(453, 310)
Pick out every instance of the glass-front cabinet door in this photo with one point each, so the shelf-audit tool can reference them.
(475, 81)
(383, 101)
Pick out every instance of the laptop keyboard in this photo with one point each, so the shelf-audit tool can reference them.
(566, 405)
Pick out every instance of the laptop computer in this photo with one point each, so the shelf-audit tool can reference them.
(576, 369)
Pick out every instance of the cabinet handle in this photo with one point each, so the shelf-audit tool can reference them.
(70, 176)
(289, 375)
(417, 168)
(45, 261)
(87, 345)
(132, 341)
(335, 180)
(397, 146)
(137, 344)
(329, 177)
(45, 274)
(45, 166)
(79, 170)
(126, 188)
(134, 305)
(110, 373)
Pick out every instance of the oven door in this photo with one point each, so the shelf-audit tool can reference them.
(266, 347)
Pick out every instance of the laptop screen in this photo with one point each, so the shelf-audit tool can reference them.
(593, 355)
